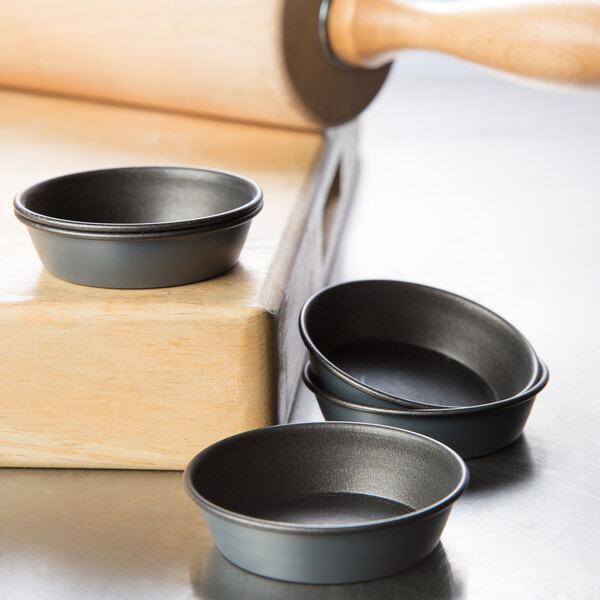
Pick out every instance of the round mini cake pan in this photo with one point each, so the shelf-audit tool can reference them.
(470, 432)
(395, 344)
(326, 502)
(139, 227)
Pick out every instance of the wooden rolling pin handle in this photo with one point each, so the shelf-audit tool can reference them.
(552, 41)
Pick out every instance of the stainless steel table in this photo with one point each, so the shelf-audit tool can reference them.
(472, 185)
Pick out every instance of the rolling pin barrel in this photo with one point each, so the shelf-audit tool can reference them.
(249, 60)
(270, 61)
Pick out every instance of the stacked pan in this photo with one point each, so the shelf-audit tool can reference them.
(140, 227)
(419, 358)
(428, 378)
(411, 380)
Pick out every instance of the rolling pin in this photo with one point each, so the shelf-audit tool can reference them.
(294, 63)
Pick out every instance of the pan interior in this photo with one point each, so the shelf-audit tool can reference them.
(411, 371)
(435, 339)
(329, 509)
(325, 474)
(139, 195)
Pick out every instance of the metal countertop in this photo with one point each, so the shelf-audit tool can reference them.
(485, 189)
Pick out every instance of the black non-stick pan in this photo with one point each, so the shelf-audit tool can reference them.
(326, 502)
(395, 344)
(139, 227)
(469, 431)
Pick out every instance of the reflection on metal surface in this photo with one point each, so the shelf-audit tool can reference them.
(526, 527)
(120, 534)
(218, 579)
(97, 534)
(510, 467)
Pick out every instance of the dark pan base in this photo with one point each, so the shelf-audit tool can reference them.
(330, 509)
(327, 558)
(138, 264)
(410, 371)
(470, 435)
(469, 432)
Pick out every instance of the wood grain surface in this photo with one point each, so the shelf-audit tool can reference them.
(249, 60)
(146, 378)
(552, 41)
(266, 61)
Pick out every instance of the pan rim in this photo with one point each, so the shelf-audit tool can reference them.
(390, 398)
(529, 394)
(124, 236)
(279, 526)
(216, 221)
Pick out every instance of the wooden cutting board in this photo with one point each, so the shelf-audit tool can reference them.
(146, 378)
